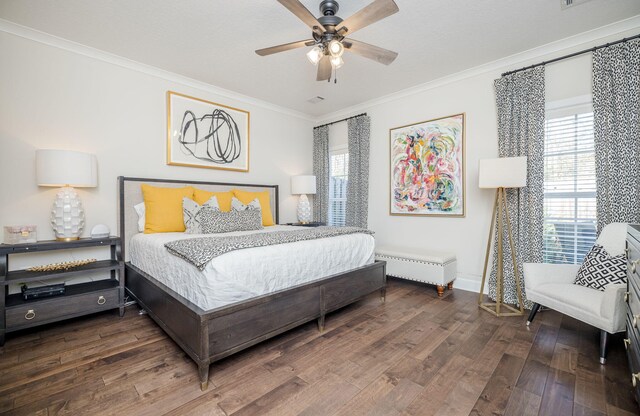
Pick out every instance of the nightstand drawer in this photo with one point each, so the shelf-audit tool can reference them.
(48, 310)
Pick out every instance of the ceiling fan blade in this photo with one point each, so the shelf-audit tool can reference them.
(284, 47)
(324, 69)
(375, 11)
(384, 56)
(297, 8)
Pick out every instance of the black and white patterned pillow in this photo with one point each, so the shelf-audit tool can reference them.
(599, 269)
(213, 221)
(192, 211)
(236, 205)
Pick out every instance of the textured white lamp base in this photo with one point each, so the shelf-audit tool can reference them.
(67, 215)
(304, 209)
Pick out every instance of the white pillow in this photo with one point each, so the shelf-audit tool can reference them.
(191, 213)
(139, 208)
(236, 205)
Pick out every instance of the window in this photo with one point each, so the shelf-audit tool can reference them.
(569, 188)
(338, 176)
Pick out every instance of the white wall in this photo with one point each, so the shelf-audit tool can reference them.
(56, 98)
(471, 93)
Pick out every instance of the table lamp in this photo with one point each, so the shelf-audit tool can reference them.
(66, 169)
(499, 174)
(303, 185)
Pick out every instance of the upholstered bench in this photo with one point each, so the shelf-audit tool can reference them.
(427, 266)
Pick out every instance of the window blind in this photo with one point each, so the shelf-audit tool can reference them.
(339, 175)
(569, 188)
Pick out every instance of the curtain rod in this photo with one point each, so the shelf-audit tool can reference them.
(339, 121)
(571, 55)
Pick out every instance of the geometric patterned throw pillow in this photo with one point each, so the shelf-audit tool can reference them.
(214, 221)
(236, 205)
(191, 212)
(599, 269)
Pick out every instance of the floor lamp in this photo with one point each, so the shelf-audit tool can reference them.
(499, 174)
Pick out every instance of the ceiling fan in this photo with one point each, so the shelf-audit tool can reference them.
(329, 34)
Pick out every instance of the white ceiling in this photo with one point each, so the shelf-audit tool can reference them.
(214, 41)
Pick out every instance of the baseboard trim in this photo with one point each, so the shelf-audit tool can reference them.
(468, 285)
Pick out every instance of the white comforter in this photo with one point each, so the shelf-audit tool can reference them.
(243, 274)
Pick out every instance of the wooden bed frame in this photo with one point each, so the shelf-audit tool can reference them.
(208, 336)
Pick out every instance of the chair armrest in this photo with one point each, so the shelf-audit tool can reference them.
(536, 274)
(613, 306)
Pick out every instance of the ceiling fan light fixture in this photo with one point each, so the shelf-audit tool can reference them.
(314, 55)
(336, 48)
(336, 62)
(329, 31)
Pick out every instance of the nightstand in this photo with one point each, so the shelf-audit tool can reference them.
(309, 224)
(78, 299)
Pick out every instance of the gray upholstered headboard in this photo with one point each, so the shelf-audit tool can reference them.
(130, 194)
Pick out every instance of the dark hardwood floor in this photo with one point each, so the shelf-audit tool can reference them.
(414, 355)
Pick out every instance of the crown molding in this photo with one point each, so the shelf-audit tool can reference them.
(515, 61)
(78, 48)
(499, 65)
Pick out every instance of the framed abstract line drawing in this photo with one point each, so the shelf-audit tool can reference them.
(427, 168)
(204, 134)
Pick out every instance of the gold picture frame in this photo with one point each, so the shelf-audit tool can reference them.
(205, 134)
(427, 168)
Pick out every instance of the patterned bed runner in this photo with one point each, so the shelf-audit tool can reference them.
(199, 251)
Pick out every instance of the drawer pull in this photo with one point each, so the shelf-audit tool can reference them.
(634, 264)
(30, 315)
(635, 320)
(626, 342)
(634, 378)
(102, 300)
(626, 296)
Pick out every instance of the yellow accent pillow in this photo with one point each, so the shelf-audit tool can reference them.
(224, 198)
(163, 208)
(265, 203)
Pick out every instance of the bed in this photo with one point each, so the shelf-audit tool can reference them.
(226, 318)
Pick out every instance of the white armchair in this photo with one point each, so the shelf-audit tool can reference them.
(551, 285)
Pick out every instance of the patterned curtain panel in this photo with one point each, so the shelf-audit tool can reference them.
(321, 171)
(616, 117)
(521, 115)
(358, 182)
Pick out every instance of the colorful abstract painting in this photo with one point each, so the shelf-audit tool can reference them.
(427, 168)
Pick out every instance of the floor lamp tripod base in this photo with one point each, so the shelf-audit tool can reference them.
(499, 308)
(493, 308)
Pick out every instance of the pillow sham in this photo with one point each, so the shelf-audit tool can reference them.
(265, 203)
(224, 198)
(236, 205)
(139, 208)
(163, 208)
(599, 269)
(191, 211)
(213, 222)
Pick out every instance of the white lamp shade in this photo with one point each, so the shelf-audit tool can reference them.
(303, 184)
(66, 167)
(504, 172)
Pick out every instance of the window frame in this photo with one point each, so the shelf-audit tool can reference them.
(336, 151)
(560, 109)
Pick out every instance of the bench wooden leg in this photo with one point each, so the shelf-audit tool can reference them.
(440, 290)
(450, 285)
